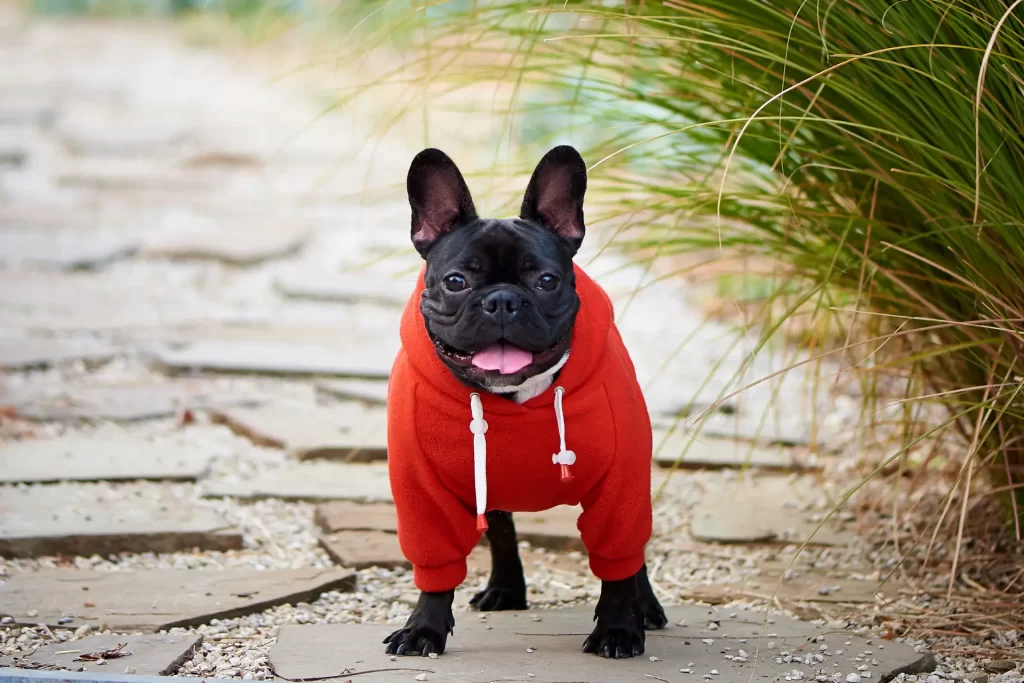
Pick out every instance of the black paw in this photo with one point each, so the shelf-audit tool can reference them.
(615, 642)
(426, 631)
(497, 599)
(654, 615)
(415, 640)
(650, 608)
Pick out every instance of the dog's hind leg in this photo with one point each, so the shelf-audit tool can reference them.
(650, 608)
(506, 588)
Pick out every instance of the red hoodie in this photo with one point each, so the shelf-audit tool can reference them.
(432, 450)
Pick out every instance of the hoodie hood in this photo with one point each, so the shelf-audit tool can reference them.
(586, 347)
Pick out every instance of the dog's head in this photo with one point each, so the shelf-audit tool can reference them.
(500, 298)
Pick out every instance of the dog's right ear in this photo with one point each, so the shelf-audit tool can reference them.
(438, 196)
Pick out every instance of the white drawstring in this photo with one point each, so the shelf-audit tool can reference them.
(478, 426)
(563, 457)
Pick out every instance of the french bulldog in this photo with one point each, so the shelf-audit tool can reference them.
(500, 313)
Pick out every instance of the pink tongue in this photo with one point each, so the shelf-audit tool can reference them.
(502, 357)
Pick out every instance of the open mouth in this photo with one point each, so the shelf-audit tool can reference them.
(501, 356)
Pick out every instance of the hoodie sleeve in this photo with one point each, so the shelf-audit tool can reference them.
(435, 530)
(616, 521)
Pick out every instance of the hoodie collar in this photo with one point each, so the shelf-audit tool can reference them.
(587, 345)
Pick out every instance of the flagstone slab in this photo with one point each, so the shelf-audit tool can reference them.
(22, 353)
(97, 457)
(274, 358)
(115, 402)
(677, 448)
(27, 108)
(143, 655)
(346, 287)
(253, 246)
(800, 586)
(43, 216)
(107, 130)
(372, 391)
(315, 480)
(69, 249)
(85, 520)
(544, 646)
(129, 175)
(365, 549)
(766, 510)
(349, 432)
(347, 515)
(159, 599)
(771, 425)
(12, 155)
(112, 299)
(554, 529)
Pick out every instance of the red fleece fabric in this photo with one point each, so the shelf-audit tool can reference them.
(430, 450)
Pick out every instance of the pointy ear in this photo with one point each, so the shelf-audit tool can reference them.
(438, 196)
(554, 197)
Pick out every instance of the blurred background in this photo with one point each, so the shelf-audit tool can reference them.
(810, 220)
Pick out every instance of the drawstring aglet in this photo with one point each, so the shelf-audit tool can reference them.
(481, 523)
(564, 458)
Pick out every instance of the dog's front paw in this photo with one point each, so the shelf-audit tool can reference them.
(415, 640)
(498, 598)
(617, 641)
(654, 615)
(426, 631)
(650, 608)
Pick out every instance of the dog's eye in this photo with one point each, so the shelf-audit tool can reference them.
(547, 282)
(455, 282)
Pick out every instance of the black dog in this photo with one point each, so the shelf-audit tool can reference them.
(499, 305)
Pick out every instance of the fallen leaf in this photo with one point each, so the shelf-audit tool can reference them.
(115, 653)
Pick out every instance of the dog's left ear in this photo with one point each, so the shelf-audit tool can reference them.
(438, 197)
(554, 197)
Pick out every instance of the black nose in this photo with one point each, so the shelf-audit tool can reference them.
(502, 304)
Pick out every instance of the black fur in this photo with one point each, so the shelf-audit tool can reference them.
(506, 588)
(504, 264)
(427, 628)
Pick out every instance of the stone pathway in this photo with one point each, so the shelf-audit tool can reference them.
(186, 301)
(700, 643)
